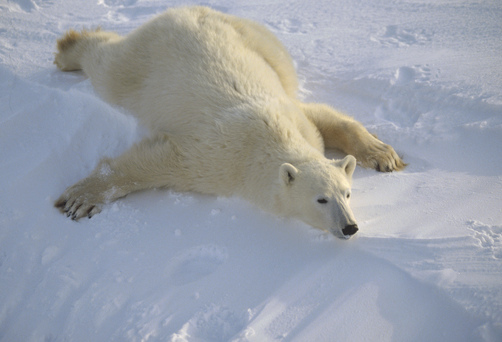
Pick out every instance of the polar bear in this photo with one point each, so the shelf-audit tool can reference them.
(218, 94)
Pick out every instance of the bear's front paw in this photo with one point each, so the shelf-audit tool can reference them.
(77, 202)
(381, 157)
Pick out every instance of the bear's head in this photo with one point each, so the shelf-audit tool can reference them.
(318, 193)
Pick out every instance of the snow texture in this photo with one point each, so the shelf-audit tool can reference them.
(425, 76)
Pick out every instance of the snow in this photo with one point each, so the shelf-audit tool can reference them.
(157, 265)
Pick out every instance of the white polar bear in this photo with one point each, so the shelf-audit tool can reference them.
(219, 96)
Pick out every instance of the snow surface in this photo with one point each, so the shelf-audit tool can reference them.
(425, 75)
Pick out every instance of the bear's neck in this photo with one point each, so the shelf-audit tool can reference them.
(262, 184)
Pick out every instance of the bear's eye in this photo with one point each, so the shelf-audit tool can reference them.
(322, 201)
(348, 195)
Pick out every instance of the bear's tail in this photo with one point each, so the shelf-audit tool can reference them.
(74, 45)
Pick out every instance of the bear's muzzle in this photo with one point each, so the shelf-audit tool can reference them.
(350, 230)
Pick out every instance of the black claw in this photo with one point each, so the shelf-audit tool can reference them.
(74, 217)
(89, 215)
(68, 207)
(378, 167)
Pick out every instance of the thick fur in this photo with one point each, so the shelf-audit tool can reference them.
(218, 94)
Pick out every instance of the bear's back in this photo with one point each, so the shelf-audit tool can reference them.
(197, 68)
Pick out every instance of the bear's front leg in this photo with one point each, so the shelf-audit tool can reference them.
(87, 196)
(148, 164)
(342, 132)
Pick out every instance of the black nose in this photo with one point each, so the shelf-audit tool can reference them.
(350, 230)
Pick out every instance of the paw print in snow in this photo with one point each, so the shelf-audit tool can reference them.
(112, 3)
(488, 237)
(198, 263)
(416, 73)
(291, 26)
(214, 323)
(393, 35)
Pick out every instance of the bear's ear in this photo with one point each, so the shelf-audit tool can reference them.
(348, 164)
(288, 173)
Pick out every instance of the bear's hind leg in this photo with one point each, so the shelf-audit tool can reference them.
(74, 46)
(341, 132)
(146, 165)
(262, 41)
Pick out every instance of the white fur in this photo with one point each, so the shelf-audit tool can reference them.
(218, 94)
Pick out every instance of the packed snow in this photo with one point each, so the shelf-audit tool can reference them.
(426, 265)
